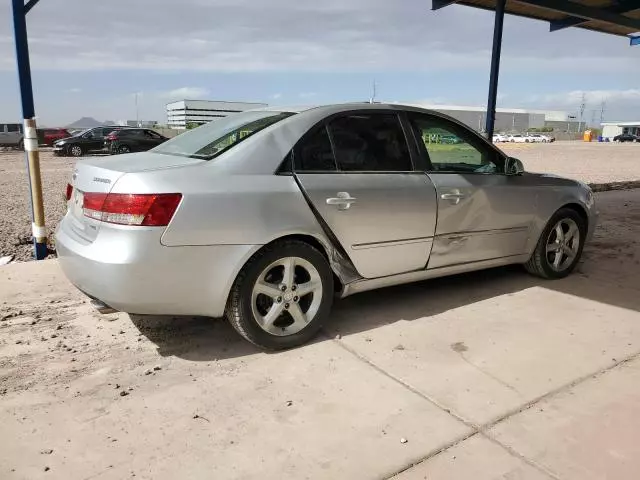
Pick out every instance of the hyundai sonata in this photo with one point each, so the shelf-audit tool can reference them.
(265, 216)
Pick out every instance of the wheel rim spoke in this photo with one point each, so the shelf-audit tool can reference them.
(269, 289)
(299, 317)
(271, 316)
(288, 274)
(307, 288)
(569, 252)
(557, 259)
(559, 233)
(553, 247)
(573, 229)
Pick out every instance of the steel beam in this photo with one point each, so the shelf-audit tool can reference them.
(438, 4)
(29, 5)
(623, 6)
(584, 12)
(495, 68)
(30, 137)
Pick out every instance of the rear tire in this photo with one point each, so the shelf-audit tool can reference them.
(122, 149)
(568, 244)
(275, 309)
(21, 145)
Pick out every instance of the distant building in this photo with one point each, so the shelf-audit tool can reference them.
(184, 112)
(508, 119)
(613, 129)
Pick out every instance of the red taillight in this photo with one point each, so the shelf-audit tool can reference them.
(151, 210)
(69, 191)
(112, 136)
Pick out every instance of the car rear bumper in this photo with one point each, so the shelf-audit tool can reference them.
(128, 269)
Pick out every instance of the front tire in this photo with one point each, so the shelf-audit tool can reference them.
(560, 246)
(122, 149)
(282, 295)
(75, 151)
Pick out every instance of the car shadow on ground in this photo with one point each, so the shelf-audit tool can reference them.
(200, 339)
(206, 339)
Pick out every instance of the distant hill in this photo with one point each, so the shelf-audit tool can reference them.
(85, 122)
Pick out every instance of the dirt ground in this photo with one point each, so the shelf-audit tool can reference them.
(591, 163)
(491, 375)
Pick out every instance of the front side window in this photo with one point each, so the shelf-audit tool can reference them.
(370, 142)
(211, 139)
(451, 149)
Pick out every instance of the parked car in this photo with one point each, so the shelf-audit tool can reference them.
(47, 136)
(132, 140)
(499, 138)
(535, 138)
(264, 216)
(86, 141)
(11, 135)
(516, 138)
(626, 137)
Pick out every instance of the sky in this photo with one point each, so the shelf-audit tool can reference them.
(92, 58)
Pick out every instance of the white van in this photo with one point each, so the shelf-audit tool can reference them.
(11, 135)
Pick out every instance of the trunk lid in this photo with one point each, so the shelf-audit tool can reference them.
(99, 175)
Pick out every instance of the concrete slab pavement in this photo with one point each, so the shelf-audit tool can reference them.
(588, 432)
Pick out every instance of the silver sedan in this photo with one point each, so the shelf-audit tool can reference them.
(266, 216)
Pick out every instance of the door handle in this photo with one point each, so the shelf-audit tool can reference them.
(343, 200)
(454, 197)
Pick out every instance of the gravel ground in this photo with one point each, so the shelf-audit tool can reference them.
(15, 212)
(588, 162)
(592, 163)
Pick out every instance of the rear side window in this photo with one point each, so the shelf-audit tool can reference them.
(370, 143)
(315, 153)
(13, 127)
(151, 134)
(210, 140)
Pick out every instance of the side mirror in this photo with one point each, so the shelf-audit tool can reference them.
(513, 166)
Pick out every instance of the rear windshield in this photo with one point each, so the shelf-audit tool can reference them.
(210, 140)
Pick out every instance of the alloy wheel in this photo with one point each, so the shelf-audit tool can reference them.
(563, 244)
(76, 151)
(286, 296)
(124, 149)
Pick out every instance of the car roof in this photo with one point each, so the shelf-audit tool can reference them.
(249, 156)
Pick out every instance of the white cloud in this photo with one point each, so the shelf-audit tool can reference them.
(189, 93)
(276, 96)
(307, 94)
(74, 90)
(290, 35)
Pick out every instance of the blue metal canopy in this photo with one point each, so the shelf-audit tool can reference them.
(615, 17)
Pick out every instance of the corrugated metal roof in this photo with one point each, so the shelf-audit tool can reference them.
(616, 17)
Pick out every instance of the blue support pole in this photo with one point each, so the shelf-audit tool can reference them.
(30, 138)
(495, 68)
